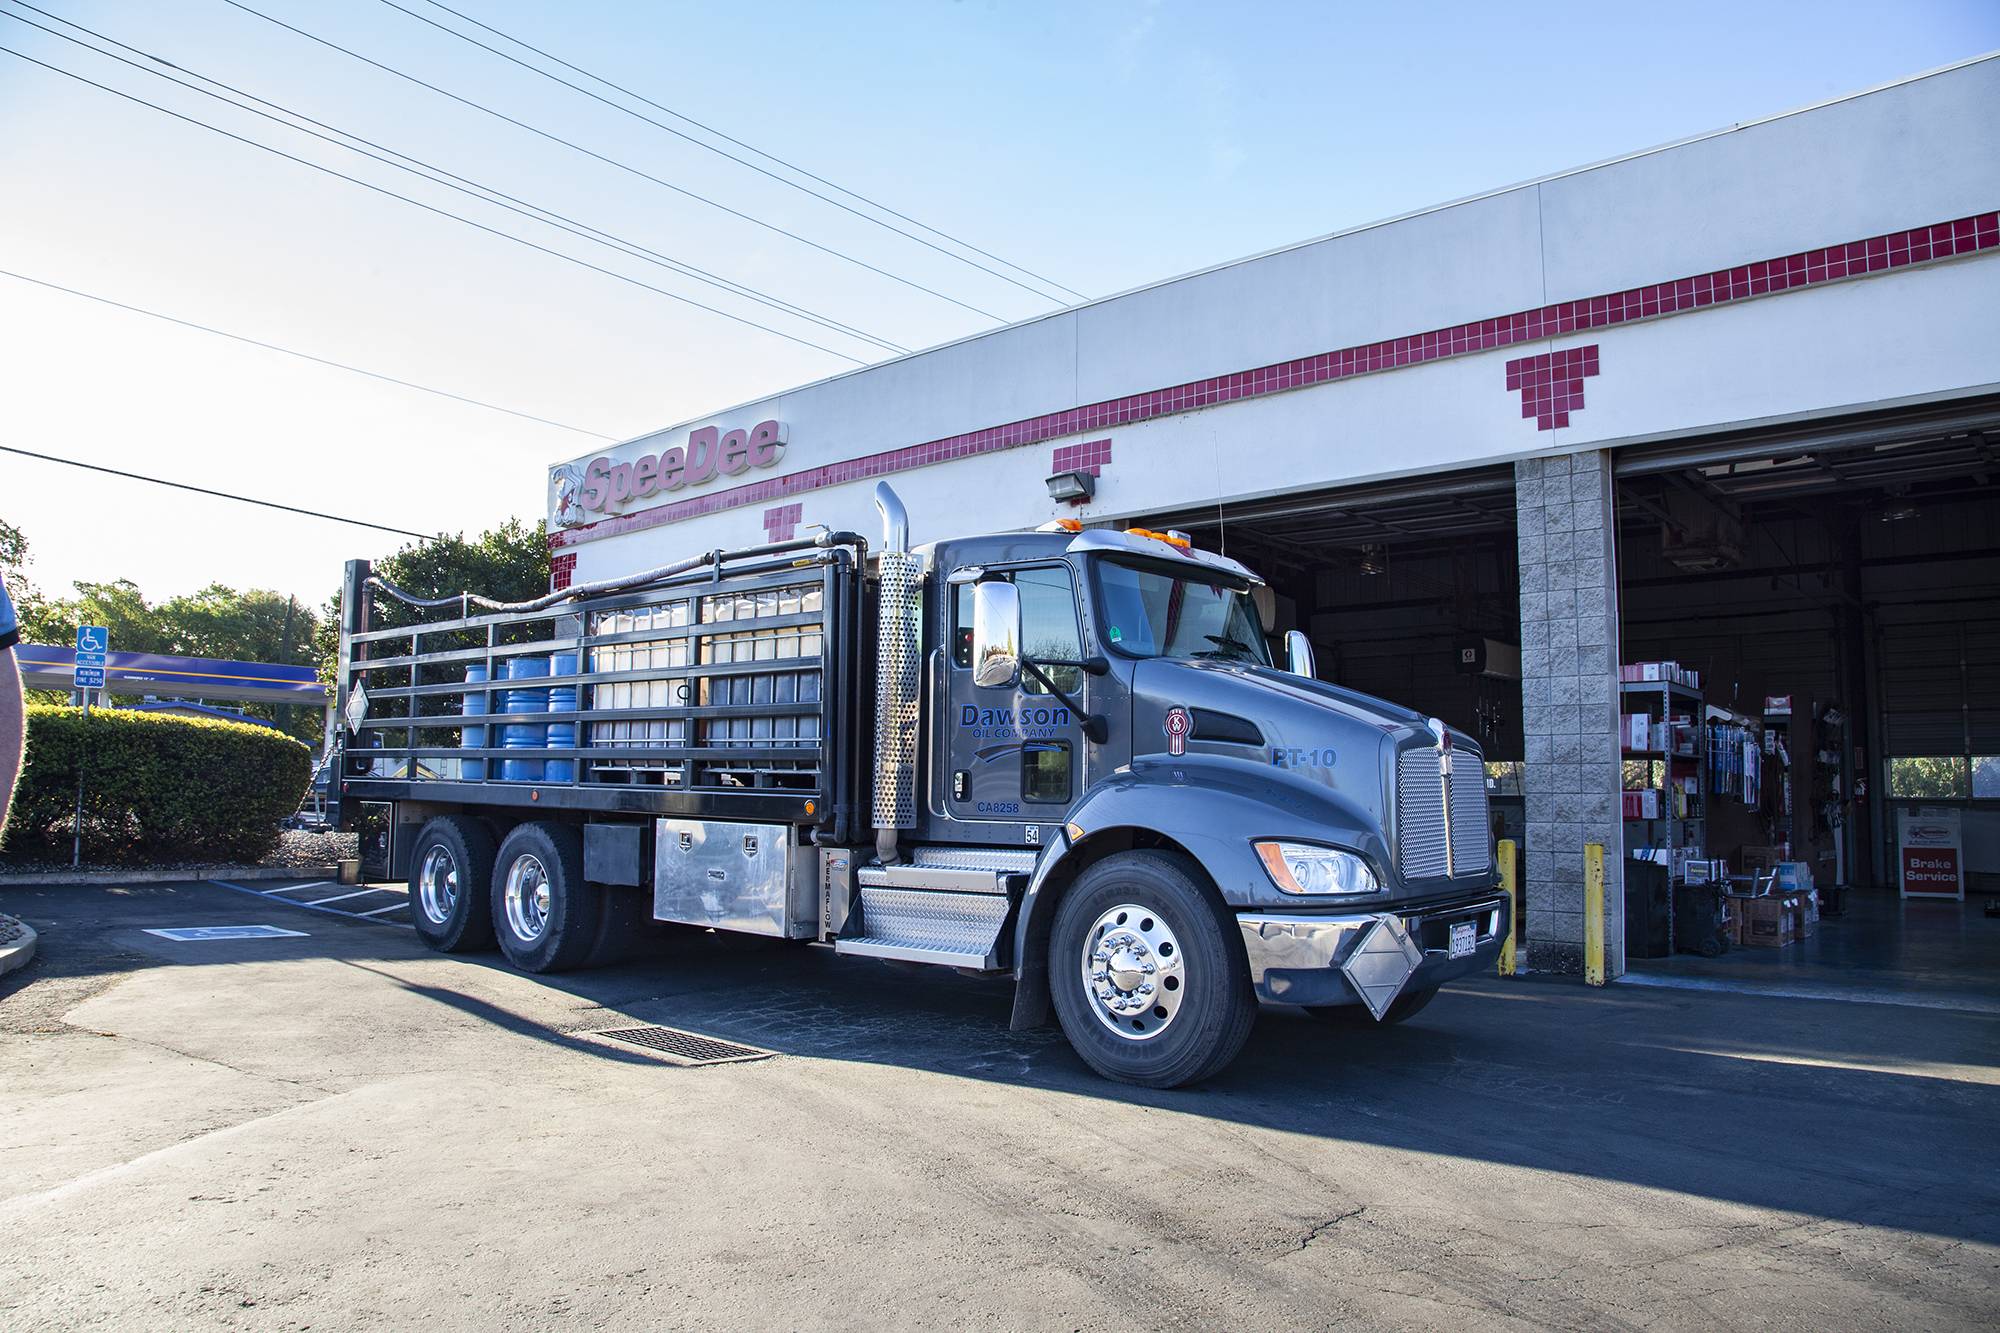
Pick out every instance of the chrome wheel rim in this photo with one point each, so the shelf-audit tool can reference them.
(437, 885)
(527, 897)
(1133, 972)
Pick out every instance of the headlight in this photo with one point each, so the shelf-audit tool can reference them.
(1297, 867)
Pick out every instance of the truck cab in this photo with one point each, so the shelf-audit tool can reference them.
(1079, 760)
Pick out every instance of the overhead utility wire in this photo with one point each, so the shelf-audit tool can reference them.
(221, 495)
(611, 161)
(441, 176)
(305, 356)
(430, 208)
(727, 138)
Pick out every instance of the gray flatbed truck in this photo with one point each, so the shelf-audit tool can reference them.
(1064, 755)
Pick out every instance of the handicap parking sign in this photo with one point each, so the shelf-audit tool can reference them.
(93, 647)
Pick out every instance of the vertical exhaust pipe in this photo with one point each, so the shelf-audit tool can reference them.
(898, 655)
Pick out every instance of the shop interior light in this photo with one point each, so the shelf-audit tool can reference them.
(1075, 487)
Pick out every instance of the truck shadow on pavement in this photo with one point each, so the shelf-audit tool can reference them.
(1863, 1113)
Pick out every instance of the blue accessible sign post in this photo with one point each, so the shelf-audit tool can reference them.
(93, 651)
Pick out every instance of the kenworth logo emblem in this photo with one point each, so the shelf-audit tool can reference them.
(605, 484)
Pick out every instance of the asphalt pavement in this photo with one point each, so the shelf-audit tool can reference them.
(336, 1128)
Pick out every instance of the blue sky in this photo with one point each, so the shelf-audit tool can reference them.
(1102, 144)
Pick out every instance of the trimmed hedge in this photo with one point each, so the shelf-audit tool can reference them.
(157, 784)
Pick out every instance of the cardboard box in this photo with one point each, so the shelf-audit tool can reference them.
(1767, 922)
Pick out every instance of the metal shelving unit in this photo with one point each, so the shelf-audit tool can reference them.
(1656, 768)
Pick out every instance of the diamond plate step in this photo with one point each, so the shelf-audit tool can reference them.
(929, 926)
(1006, 860)
(946, 879)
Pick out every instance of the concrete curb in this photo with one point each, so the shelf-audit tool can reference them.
(192, 875)
(21, 952)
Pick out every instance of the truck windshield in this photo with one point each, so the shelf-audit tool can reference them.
(1150, 611)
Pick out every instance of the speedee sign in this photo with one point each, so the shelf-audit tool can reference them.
(583, 493)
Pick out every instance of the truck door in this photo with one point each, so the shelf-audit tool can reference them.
(1015, 755)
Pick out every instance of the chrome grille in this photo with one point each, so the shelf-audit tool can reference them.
(1441, 832)
(1421, 847)
(1471, 841)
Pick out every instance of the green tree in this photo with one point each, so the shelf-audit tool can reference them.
(510, 563)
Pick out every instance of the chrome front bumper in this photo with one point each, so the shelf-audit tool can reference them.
(1366, 958)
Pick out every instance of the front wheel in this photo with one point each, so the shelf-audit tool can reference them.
(545, 915)
(1149, 982)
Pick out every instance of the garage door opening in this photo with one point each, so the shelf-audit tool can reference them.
(1409, 591)
(1815, 623)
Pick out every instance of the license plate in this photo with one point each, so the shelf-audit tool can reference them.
(1464, 936)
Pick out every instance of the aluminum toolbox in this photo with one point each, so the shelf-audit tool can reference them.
(753, 878)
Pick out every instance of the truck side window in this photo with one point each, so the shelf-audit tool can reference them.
(1049, 630)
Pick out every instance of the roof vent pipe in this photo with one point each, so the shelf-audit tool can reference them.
(898, 654)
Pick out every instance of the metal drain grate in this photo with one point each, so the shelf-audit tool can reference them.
(686, 1047)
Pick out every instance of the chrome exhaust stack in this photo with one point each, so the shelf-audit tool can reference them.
(898, 657)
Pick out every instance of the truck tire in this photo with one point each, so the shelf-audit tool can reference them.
(545, 914)
(1149, 982)
(449, 872)
(1357, 1015)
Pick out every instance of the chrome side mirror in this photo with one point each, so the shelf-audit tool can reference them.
(1299, 654)
(996, 634)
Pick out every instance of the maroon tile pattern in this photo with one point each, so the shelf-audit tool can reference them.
(1551, 383)
(1092, 456)
(782, 524)
(1807, 268)
(562, 568)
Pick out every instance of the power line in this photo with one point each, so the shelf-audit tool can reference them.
(436, 175)
(304, 356)
(431, 208)
(771, 157)
(612, 161)
(222, 495)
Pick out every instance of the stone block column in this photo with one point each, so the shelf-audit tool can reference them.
(1569, 703)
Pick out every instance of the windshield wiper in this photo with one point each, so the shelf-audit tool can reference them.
(1239, 651)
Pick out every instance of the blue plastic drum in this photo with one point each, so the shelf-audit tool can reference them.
(562, 735)
(471, 737)
(524, 735)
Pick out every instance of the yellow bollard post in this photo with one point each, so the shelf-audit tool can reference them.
(1509, 873)
(1593, 913)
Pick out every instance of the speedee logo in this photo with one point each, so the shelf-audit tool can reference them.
(605, 484)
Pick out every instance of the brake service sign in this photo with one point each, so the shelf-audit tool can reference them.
(1931, 853)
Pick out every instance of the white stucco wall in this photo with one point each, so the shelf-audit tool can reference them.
(1912, 154)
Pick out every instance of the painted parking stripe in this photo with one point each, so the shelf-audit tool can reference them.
(293, 902)
(343, 897)
(293, 888)
(392, 907)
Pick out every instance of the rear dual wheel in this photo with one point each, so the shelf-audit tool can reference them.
(450, 870)
(546, 916)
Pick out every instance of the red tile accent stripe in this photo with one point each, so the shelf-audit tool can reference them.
(562, 568)
(781, 524)
(1551, 384)
(1092, 456)
(1808, 268)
